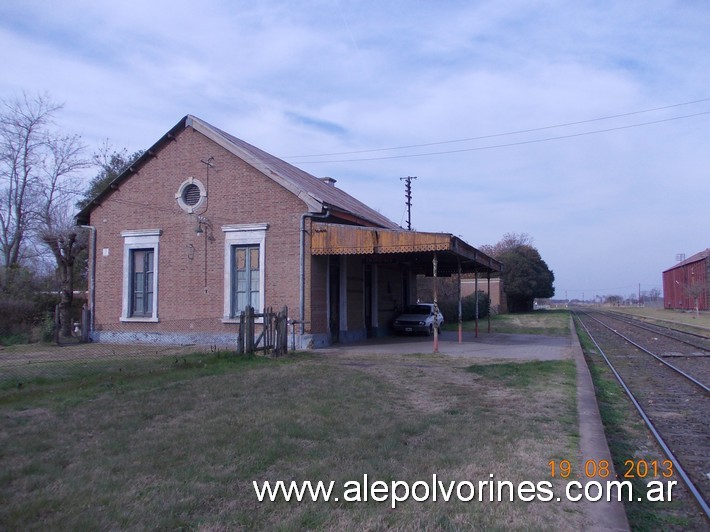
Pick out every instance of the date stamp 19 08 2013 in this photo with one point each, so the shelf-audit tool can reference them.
(601, 469)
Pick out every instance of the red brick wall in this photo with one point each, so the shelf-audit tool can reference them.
(237, 194)
(681, 283)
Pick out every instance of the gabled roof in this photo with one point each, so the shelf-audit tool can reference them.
(316, 194)
(694, 258)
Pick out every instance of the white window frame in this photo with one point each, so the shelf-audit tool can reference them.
(242, 235)
(139, 239)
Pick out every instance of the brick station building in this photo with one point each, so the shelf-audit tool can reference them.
(203, 224)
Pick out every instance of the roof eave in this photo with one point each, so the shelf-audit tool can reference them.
(313, 204)
(83, 217)
(464, 249)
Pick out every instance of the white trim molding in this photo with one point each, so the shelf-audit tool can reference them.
(139, 239)
(242, 235)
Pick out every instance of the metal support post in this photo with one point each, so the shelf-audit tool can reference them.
(436, 308)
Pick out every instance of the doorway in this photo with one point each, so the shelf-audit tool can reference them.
(367, 300)
(334, 298)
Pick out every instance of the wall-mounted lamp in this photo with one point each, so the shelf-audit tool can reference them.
(202, 224)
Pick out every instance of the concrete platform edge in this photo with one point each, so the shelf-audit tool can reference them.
(602, 515)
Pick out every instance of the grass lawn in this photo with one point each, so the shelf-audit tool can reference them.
(547, 322)
(668, 316)
(180, 447)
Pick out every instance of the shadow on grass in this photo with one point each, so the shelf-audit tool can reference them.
(524, 374)
(40, 378)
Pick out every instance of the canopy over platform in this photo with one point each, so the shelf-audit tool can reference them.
(410, 248)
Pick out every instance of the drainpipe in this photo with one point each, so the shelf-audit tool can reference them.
(302, 276)
(92, 274)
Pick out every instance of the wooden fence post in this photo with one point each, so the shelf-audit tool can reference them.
(240, 335)
(249, 329)
(282, 332)
(266, 329)
(274, 332)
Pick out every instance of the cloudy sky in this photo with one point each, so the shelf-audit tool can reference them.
(585, 124)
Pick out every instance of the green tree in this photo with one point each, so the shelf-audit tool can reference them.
(111, 163)
(526, 275)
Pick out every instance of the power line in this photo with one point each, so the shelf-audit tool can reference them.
(518, 132)
(509, 144)
(495, 135)
(609, 289)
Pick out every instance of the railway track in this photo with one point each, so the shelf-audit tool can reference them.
(699, 339)
(666, 373)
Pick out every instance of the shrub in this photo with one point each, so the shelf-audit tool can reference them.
(468, 307)
(22, 319)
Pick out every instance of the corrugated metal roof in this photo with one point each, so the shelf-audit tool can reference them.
(694, 258)
(323, 193)
(453, 253)
(336, 239)
(315, 193)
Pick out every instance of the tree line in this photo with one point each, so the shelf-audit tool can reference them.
(42, 183)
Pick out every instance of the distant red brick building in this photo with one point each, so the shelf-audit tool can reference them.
(449, 290)
(685, 285)
(204, 224)
(497, 294)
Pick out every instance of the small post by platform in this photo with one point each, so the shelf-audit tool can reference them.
(458, 260)
(436, 307)
(475, 291)
(489, 301)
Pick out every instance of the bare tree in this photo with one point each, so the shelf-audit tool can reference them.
(22, 126)
(37, 165)
(509, 242)
(695, 291)
(65, 240)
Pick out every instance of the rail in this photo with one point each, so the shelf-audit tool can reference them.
(652, 428)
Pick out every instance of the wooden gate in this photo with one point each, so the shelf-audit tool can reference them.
(273, 338)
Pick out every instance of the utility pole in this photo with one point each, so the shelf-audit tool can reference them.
(408, 195)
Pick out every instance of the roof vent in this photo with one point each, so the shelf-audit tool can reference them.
(329, 181)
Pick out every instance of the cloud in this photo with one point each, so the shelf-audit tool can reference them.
(320, 125)
(321, 77)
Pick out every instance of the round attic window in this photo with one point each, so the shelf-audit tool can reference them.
(191, 195)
